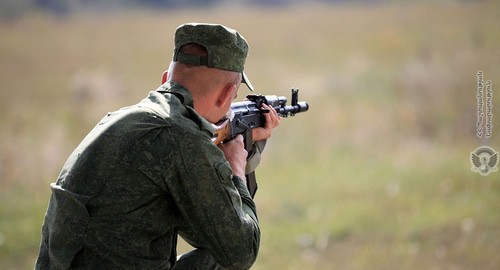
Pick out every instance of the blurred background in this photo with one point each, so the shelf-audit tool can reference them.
(376, 175)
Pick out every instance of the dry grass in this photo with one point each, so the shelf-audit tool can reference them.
(375, 176)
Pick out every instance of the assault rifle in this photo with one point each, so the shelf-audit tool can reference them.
(248, 115)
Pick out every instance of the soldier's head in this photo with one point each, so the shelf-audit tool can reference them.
(209, 61)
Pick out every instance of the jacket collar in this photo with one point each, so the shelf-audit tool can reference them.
(187, 100)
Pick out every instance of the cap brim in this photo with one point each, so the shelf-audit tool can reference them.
(245, 80)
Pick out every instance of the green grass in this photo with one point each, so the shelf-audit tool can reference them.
(375, 176)
(378, 215)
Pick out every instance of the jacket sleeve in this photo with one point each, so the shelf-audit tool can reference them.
(216, 205)
(253, 159)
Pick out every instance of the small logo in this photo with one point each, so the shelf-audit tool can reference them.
(484, 160)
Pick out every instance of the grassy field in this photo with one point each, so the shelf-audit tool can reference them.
(375, 176)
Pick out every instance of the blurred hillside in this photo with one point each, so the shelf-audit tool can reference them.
(375, 176)
(14, 9)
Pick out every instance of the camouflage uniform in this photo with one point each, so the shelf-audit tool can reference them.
(143, 175)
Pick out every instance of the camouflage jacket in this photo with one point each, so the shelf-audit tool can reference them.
(144, 174)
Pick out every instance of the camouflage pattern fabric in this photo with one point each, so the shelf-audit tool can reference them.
(143, 175)
(226, 48)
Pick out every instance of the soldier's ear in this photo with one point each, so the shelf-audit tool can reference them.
(225, 95)
(164, 77)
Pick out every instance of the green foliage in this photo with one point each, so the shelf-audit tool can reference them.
(375, 176)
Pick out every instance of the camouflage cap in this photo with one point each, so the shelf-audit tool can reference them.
(227, 49)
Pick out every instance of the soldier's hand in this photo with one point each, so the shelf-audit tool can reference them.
(236, 155)
(272, 121)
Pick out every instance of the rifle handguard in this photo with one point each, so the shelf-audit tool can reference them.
(248, 115)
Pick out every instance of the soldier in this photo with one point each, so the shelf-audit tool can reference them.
(150, 172)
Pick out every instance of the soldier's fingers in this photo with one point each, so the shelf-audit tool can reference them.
(274, 116)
